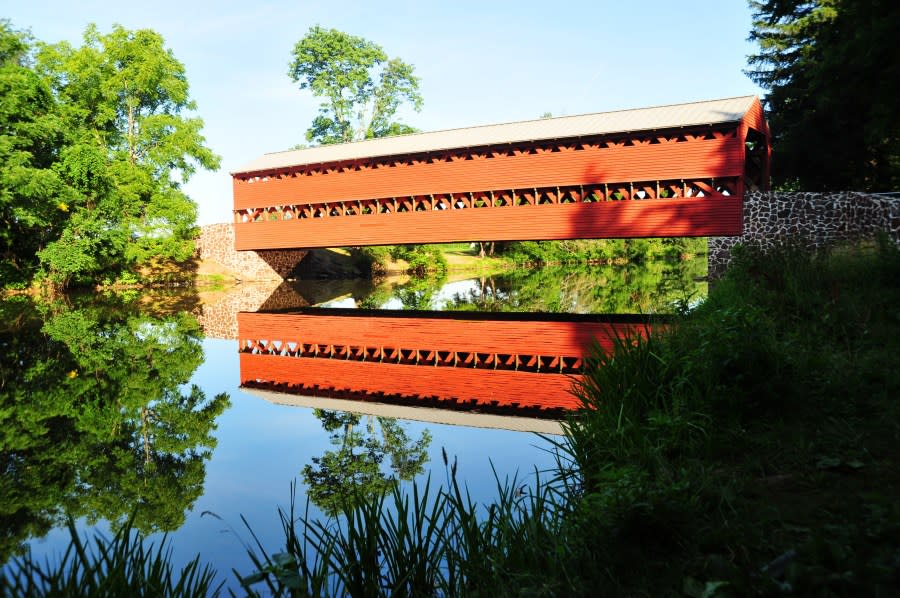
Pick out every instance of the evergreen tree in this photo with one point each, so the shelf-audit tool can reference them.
(832, 69)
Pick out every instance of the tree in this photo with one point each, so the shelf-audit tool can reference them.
(362, 88)
(129, 146)
(96, 418)
(352, 473)
(34, 199)
(832, 70)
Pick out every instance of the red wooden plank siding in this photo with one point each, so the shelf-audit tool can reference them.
(434, 334)
(484, 387)
(755, 119)
(682, 217)
(700, 159)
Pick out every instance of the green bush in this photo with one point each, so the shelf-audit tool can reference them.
(373, 260)
(422, 259)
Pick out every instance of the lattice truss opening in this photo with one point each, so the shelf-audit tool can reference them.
(309, 208)
(550, 364)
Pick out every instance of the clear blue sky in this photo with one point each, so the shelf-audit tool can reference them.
(479, 62)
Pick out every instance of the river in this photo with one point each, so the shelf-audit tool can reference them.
(191, 410)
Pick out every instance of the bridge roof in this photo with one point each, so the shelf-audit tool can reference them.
(599, 123)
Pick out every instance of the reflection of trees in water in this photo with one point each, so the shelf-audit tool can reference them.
(415, 293)
(94, 419)
(352, 471)
(644, 288)
(649, 287)
(418, 293)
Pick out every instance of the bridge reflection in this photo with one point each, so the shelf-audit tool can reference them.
(500, 363)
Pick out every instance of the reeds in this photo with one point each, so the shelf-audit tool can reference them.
(423, 542)
(125, 565)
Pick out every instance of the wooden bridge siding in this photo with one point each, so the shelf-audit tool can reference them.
(433, 334)
(755, 119)
(501, 387)
(699, 159)
(680, 217)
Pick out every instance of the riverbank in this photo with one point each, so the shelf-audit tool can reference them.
(753, 448)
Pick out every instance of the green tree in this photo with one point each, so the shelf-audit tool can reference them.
(352, 472)
(130, 145)
(95, 418)
(362, 88)
(34, 199)
(832, 71)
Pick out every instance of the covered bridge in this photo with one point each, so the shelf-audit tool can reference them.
(667, 171)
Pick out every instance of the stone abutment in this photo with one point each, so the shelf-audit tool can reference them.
(816, 220)
(216, 244)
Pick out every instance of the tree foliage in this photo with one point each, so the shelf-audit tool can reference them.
(832, 71)
(34, 199)
(361, 87)
(97, 420)
(95, 142)
(352, 472)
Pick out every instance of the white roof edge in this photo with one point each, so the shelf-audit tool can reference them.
(424, 414)
(598, 123)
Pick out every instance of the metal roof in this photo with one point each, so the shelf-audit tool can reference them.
(599, 123)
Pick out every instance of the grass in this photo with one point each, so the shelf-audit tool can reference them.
(420, 543)
(762, 428)
(752, 448)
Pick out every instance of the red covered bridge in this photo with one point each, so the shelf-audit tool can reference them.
(494, 361)
(667, 171)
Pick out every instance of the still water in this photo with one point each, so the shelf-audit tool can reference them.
(190, 410)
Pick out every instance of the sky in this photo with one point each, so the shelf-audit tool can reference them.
(479, 62)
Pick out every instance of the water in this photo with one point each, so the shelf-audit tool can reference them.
(148, 405)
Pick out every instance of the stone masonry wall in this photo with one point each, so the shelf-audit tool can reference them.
(219, 317)
(816, 219)
(216, 243)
